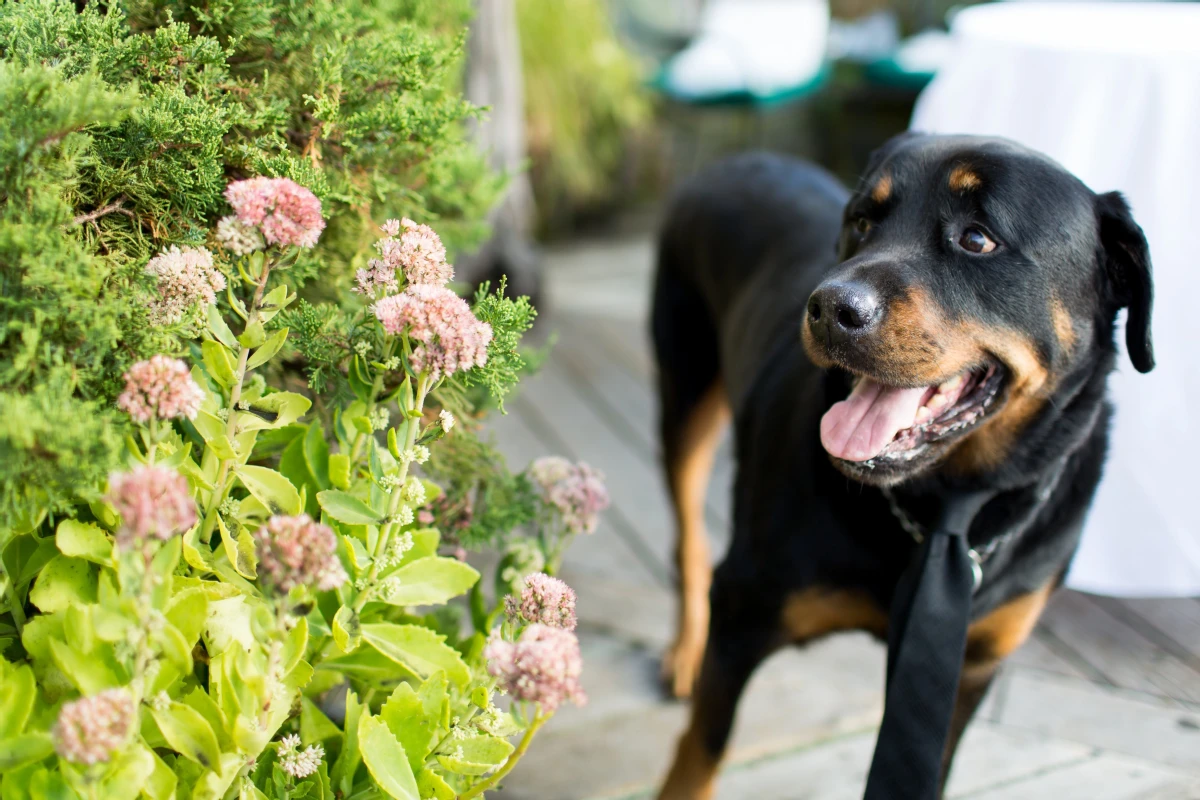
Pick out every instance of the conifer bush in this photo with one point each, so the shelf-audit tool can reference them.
(217, 580)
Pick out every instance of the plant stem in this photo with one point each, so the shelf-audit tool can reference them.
(385, 533)
(235, 396)
(478, 789)
(376, 387)
(14, 605)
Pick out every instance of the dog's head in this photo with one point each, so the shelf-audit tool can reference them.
(976, 278)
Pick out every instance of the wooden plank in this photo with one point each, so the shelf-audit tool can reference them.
(639, 511)
(1173, 622)
(1123, 655)
(1103, 777)
(629, 406)
(606, 552)
(1139, 725)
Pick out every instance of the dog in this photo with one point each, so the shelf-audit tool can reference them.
(947, 327)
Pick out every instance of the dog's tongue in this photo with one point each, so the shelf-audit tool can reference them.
(861, 426)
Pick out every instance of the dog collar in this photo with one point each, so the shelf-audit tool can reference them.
(980, 555)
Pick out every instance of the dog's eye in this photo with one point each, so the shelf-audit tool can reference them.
(974, 240)
(862, 225)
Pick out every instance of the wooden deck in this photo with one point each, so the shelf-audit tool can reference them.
(1103, 702)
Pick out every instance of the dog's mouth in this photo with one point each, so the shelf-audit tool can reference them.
(878, 422)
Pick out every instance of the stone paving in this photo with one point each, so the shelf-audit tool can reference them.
(1103, 703)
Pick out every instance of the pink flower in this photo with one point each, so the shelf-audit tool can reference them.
(185, 277)
(448, 337)
(544, 599)
(287, 213)
(418, 252)
(296, 551)
(576, 490)
(91, 729)
(151, 501)
(161, 387)
(237, 237)
(543, 666)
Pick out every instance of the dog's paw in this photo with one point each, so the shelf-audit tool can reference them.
(681, 667)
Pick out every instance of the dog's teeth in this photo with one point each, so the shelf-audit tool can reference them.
(923, 415)
(936, 402)
(951, 385)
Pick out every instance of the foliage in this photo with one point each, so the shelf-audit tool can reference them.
(125, 121)
(583, 98)
(265, 594)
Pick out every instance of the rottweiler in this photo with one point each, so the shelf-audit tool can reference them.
(947, 327)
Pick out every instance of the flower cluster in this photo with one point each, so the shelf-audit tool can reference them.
(544, 600)
(161, 387)
(543, 666)
(90, 729)
(576, 490)
(283, 211)
(448, 337)
(296, 762)
(152, 501)
(414, 249)
(185, 277)
(237, 237)
(297, 551)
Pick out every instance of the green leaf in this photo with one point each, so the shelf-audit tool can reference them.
(268, 349)
(219, 363)
(239, 549)
(83, 540)
(345, 507)
(271, 489)
(428, 581)
(480, 755)
(314, 725)
(203, 703)
(417, 648)
(339, 470)
(17, 693)
(253, 336)
(62, 582)
(197, 555)
(368, 665)
(25, 556)
(386, 760)
(316, 454)
(222, 448)
(187, 611)
(342, 776)
(209, 426)
(173, 647)
(274, 410)
(162, 782)
(127, 773)
(433, 786)
(405, 717)
(218, 328)
(188, 733)
(435, 697)
(18, 751)
(89, 673)
(347, 630)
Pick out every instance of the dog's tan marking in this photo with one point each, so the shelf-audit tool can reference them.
(819, 610)
(1063, 328)
(689, 485)
(963, 178)
(694, 770)
(882, 189)
(995, 637)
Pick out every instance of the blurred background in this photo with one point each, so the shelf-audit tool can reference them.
(599, 107)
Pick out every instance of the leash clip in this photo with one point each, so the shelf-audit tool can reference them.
(976, 569)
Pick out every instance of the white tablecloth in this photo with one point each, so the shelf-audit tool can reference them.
(1112, 91)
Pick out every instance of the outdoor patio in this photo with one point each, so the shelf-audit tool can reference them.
(1102, 702)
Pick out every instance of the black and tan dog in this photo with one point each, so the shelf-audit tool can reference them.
(959, 338)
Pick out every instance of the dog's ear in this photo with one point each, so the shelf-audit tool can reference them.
(1126, 262)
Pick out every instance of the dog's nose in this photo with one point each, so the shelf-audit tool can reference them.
(840, 309)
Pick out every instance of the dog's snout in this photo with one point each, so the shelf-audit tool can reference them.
(843, 309)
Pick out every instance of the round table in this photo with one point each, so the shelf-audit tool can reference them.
(1111, 91)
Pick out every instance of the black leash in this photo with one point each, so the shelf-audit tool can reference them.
(927, 637)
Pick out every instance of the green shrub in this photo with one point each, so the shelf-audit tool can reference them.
(123, 124)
